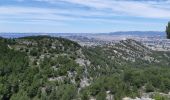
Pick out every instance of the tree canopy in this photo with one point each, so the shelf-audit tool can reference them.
(168, 30)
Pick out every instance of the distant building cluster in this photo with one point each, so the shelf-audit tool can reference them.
(157, 44)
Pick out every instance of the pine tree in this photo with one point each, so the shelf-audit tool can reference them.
(168, 30)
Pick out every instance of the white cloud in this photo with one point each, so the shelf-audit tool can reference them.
(101, 8)
(148, 9)
(51, 14)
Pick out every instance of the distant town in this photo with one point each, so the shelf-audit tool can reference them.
(152, 39)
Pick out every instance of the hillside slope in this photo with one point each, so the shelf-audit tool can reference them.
(44, 67)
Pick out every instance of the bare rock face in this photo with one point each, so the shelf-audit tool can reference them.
(143, 98)
(80, 61)
(109, 96)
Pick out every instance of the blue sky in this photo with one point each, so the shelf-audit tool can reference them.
(83, 16)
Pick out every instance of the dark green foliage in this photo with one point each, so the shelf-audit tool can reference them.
(12, 66)
(168, 30)
(19, 79)
(64, 92)
(31, 66)
(131, 81)
(114, 84)
(160, 97)
(34, 52)
(149, 87)
(101, 95)
(84, 95)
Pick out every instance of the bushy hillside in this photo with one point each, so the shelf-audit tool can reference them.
(130, 52)
(40, 66)
(48, 68)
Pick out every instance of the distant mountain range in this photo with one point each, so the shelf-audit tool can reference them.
(140, 33)
(136, 33)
